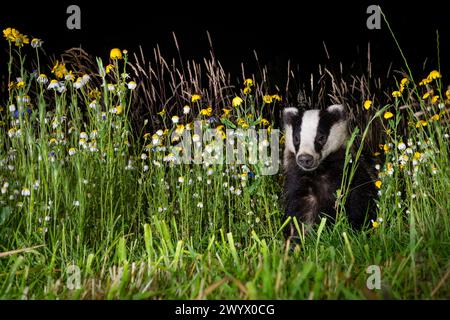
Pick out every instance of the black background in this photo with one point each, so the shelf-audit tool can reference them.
(277, 30)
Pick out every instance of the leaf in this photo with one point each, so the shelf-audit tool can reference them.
(5, 212)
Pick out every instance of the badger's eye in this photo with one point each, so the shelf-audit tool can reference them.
(296, 140)
(321, 139)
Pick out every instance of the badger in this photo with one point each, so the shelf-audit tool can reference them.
(314, 158)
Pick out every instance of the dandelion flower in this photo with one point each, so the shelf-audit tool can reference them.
(396, 94)
(247, 90)
(388, 115)
(115, 54)
(378, 184)
(267, 99)
(367, 104)
(206, 112)
(434, 75)
(195, 97)
(237, 101)
(248, 82)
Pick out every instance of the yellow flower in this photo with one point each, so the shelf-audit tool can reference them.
(375, 224)
(447, 94)
(10, 34)
(248, 82)
(20, 84)
(206, 112)
(264, 122)
(434, 99)
(396, 94)
(276, 97)
(195, 97)
(147, 135)
(226, 112)
(247, 90)
(367, 104)
(435, 117)
(376, 154)
(180, 129)
(427, 95)
(109, 67)
(115, 54)
(434, 75)
(59, 70)
(162, 112)
(237, 101)
(388, 115)
(417, 155)
(421, 123)
(36, 43)
(385, 148)
(378, 184)
(119, 109)
(267, 99)
(404, 82)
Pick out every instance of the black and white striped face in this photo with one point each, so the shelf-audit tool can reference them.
(312, 135)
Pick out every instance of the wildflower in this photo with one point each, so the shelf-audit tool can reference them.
(427, 95)
(26, 192)
(186, 109)
(196, 138)
(200, 205)
(367, 104)
(115, 54)
(42, 79)
(76, 203)
(404, 82)
(206, 112)
(111, 87)
(396, 94)
(93, 104)
(195, 97)
(226, 112)
(401, 146)
(237, 101)
(12, 108)
(72, 151)
(388, 115)
(378, 184)
(54, 84)
(59, 70)
(248, 82)
(265, 122)
(20, 84)
(276, 97)
(267, 99)
(434, 75)
(132, 85)
(12, 132)
(180, 129)
(181, 179)
(175, 119)
(36, 43)
(434, 99)
(421, 123)
(247, 90)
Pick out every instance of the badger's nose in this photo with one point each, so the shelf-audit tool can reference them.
(305, 160)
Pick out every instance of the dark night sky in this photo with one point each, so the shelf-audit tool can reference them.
(276, 30)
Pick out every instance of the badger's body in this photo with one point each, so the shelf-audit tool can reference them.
(314, 158)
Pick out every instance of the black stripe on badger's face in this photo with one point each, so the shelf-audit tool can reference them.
(314, 134)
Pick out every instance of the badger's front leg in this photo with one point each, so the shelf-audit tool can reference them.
(300, 203)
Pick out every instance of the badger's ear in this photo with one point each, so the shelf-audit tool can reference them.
(290, 115)
(337, 109)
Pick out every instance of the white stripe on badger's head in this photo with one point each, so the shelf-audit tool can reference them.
(308, 132)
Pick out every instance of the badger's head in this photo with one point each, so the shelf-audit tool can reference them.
(313, 135)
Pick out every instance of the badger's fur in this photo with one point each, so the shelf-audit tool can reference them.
(314, 157)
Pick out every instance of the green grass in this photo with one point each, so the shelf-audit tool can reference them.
(135, 230)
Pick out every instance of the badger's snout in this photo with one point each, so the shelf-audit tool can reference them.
(306, 162)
